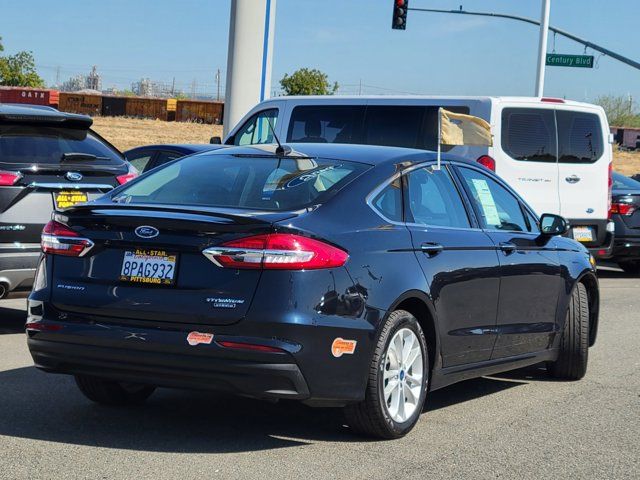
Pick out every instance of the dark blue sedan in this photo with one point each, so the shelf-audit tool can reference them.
(337, 275)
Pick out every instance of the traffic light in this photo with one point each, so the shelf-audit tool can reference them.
(400, 14)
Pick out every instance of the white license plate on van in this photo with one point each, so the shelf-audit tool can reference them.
(583, 234)
(150, 267)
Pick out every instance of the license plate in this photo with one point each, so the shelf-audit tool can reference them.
(583, 234)
(69, 198)
(147, 266)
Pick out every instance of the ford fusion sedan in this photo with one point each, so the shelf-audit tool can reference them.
(339, 275)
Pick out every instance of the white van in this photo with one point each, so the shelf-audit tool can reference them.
(556, 153)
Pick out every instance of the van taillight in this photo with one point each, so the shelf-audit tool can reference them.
(9, 178)
(488, 162)
(59, 239)
(277, 251)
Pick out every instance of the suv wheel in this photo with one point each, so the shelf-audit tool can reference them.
(574, 344)
(397, 381)
(109, 392)
(630, 266)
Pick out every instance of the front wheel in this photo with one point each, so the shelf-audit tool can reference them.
(109, 392)
(574, 344)
(397, 381)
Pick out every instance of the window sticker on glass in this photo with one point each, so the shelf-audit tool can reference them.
(487, 202)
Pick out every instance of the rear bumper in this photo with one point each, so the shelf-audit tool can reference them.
(18, 266)
(602, 246)
(626, 248)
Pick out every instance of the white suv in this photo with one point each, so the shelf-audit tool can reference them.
(556, 153)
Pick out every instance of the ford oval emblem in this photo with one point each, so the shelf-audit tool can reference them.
(590, 210)
(73, 176)
(146, 231)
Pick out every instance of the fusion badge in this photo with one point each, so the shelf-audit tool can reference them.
(196, 338)
(340, 347)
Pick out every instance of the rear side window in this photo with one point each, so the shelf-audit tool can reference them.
(326, 124)
(434, 200)
(262, 183)
(528, 134)
(27, 144)
(579, 137)
(394, 126)
(389, 201)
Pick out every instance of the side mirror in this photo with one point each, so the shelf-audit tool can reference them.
(551, 224)
(215, 141)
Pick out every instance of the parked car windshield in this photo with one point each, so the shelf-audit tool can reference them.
(37, 144)
(263, 183)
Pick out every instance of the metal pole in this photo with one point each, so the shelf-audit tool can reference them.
(542, 47)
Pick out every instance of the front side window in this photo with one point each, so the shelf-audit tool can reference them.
(257, 130)
(139, 160)
(528, 134)
(497, 207)
(242, 182)
(434, 200)
(166, 156)
(579, 137)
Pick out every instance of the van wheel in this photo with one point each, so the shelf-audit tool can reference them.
(574, 344)
(109, 392)
(631, 267)
(397, 381)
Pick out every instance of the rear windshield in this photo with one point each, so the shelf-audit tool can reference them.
(622, 182)
(261, 183)
(29, 144)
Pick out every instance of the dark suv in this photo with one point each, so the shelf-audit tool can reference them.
(48, 160)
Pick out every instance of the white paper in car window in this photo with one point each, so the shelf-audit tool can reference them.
(487, 202)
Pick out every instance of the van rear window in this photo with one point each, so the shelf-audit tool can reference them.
(579, 137)
(529, 134)
(30, 144)
(260, 183)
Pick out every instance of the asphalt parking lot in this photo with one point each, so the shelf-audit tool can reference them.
(517, 425)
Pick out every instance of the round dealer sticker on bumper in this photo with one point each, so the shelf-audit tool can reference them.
(340, 347)
(195, 338)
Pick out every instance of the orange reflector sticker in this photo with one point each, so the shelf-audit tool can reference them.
(340, 346)
(195, 338)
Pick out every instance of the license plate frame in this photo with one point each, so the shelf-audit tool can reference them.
(583, 234)
(69, 198)
(148, 257)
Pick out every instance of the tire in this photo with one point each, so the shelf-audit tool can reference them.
(109, 392)
(574, 344)
(377, 415)
(631, 267)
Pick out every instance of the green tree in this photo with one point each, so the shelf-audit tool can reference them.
(308, 82)
(19, 70)
(621, 111)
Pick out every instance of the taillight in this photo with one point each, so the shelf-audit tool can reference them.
(127, 177)
(277, 251)
(9, 178)
(552, 100)
(610, 187)
(488, 162)
(622, 208)
(58, 239)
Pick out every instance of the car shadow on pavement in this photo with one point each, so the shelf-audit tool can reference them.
(12, 320)
(49, 407)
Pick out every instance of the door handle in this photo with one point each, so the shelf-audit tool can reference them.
(431, 249)
(507, 247)
(573, 179)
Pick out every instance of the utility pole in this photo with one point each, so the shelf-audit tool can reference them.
(360, 88)
(57, 76)
(542, 47)
(193, 89)
(218, 84)
(173, 86)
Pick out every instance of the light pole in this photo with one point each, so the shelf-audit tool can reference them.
(542, 47)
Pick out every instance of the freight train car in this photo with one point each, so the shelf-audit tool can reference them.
(33, 96)
(155, 108)
(199, 111)
(86, 104)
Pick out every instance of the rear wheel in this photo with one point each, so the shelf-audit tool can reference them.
(574, 345)
(109, 392)
(630, 266)
(397, 382)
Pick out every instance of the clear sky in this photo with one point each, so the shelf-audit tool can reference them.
(351, 40)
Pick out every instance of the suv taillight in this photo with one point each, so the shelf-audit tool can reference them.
(276, 251)
(610, 188)
(59, 239)
(127, 177)
(488, 162)
(9, 178)
(622, 208)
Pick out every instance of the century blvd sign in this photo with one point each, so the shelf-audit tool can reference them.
(561, 60)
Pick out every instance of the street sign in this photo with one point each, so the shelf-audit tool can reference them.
(561, 60)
